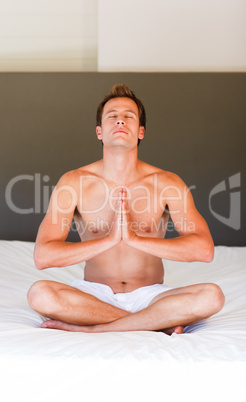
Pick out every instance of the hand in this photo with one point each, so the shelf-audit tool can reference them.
(121, 227)
(115, 234)
(127, 234)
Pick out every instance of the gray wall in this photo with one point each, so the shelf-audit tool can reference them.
(196, 126)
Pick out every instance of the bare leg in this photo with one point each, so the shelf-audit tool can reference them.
(170, 310)
(70, 305)
(177, 307)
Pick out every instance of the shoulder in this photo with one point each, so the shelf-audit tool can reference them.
(170, 179)
(73, 177)
(164, 177)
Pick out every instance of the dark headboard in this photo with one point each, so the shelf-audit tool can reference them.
(196, 127)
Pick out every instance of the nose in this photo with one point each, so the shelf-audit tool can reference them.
(119, 122)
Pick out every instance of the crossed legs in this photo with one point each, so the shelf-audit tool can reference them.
(73, 310)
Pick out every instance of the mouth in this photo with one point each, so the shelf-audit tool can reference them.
(120, 131)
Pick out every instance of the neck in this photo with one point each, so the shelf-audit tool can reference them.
(120, 166)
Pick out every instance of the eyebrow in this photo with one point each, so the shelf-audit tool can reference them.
(126, 111)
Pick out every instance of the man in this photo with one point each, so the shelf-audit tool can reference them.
(121, 206)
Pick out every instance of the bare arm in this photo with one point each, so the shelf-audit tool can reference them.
(194, 242)
(51, 248)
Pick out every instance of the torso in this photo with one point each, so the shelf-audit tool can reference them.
(122, 267)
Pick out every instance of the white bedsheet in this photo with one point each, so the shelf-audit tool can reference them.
(207, 362)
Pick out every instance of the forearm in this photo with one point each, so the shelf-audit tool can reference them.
(187, 248)
(62, 254)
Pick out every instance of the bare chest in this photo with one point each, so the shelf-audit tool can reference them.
(98, 204)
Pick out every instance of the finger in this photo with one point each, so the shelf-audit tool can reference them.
(124, 207)
(118, 203)
(124, 200)
(123, 193)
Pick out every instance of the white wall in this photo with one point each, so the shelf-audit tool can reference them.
(48, 35)
(172, 35)
(123, 35)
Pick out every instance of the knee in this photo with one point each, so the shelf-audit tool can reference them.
(39, 295)
(214, 297)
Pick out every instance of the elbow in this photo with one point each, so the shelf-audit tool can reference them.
(208, 252)
(39, 260)
(39, 264)
(209, 257)
(204, 250)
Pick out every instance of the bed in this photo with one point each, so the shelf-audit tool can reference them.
(197, 122)
(206, 362)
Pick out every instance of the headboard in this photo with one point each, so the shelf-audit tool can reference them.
(196, 127)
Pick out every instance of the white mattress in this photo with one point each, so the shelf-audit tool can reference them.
(207, 362)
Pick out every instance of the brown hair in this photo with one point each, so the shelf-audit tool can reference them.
(121, 91)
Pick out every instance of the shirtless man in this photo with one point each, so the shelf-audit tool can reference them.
(121, 206)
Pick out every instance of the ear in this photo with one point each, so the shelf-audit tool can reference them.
(141, 132)
(99, 132)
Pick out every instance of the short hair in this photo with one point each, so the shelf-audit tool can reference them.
(121, 91)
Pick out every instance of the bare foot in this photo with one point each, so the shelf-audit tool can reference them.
(169, 331)
(55, 324)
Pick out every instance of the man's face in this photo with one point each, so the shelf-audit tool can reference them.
(120, 123)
